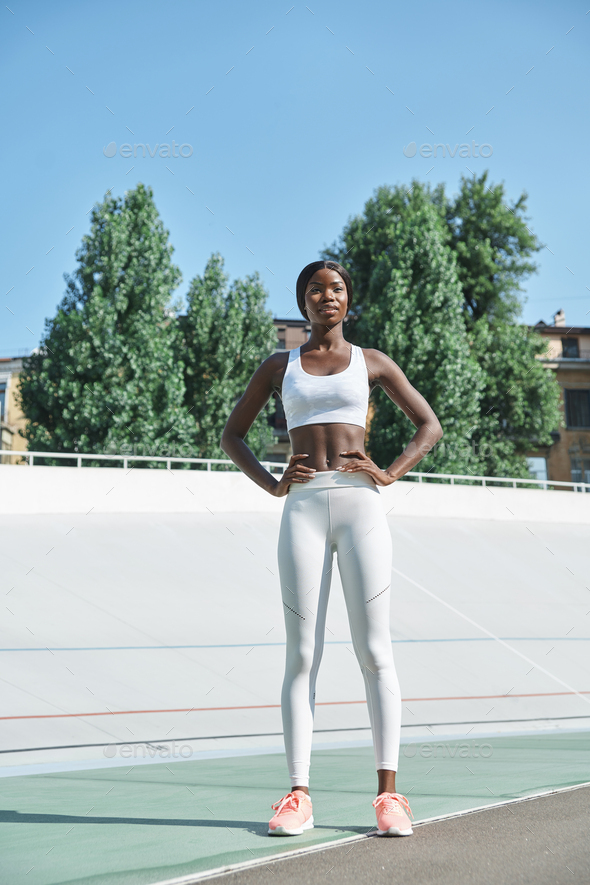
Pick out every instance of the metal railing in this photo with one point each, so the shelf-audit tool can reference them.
(582, 355)
(494, 480)
(79, 458)
(557, 357)
(452, 478)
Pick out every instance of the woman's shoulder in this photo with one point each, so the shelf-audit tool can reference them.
(371, 355)
(276, 361)
(374, 355)
(379, 364)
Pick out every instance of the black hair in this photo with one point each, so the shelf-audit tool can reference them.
(307, 273)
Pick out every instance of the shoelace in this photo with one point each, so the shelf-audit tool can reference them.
(290, 802)
(393, 802)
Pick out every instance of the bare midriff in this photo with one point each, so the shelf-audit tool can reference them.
(324, 442)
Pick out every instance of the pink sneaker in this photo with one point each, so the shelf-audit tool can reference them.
(392, 819)
(293, 815)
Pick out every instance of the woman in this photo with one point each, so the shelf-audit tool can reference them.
(332, 507)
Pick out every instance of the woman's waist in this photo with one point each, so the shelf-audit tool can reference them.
(333, 479)
(323, 444)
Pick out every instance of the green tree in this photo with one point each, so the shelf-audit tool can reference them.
(520, 400)
(105, 376)
(226, 333)
(410, 307)
(369, 235)
(493, 246)
(516, 397)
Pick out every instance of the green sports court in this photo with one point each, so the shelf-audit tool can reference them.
(157, 822)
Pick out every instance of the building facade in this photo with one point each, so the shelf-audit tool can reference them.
(568, 459)
(11, 417)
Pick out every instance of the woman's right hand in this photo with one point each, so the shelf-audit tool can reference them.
(295, 472)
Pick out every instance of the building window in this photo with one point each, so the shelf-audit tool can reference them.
(281, 344)
(580, 469)
(537, 467)
(570, 348)
(2, 401)
(577, 408)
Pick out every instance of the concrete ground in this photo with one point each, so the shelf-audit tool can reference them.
(541, 841)
(173, 821)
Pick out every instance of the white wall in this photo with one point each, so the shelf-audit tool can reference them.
(32, 490)
(173, 618)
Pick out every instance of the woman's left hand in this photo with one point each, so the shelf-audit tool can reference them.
(362, 462)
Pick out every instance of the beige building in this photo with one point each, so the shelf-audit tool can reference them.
(11, 417)
(568, 459)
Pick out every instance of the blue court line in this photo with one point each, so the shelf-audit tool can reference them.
(328, 642)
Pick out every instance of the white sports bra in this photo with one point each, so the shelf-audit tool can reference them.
(342, 398)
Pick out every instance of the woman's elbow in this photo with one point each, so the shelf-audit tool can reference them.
(228, 440)
(224, 442)
(433, 429)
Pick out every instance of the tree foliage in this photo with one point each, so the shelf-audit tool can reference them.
(396, 251)
(520, 399)
(493, 246)
(519, 405)
(105, 375)
(436, 283)
(118, 372)
(226, 333)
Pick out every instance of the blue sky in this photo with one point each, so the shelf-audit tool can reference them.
(295, 115)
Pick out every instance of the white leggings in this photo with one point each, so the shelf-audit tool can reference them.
(336, 513)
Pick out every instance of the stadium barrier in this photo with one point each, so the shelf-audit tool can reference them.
(274, 466)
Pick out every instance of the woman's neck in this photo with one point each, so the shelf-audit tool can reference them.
(324, 338)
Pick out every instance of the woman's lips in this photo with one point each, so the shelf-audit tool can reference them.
(328, 310)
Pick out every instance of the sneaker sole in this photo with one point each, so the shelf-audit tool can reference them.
(281, 831)
(395, 831)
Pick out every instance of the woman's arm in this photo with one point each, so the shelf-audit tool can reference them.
(265, 379)
(384, 373)
(245, 412)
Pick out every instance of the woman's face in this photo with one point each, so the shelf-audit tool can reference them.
(326, 298)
